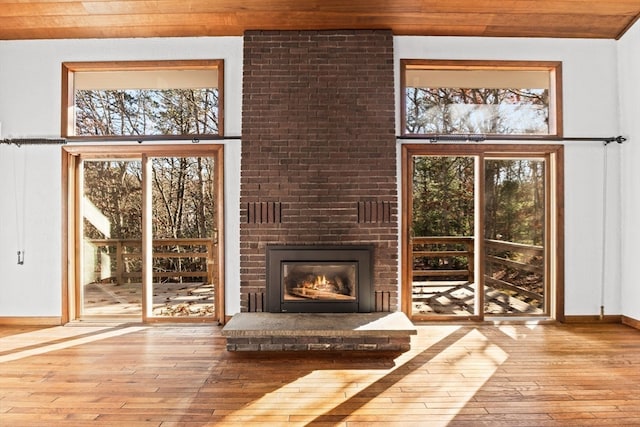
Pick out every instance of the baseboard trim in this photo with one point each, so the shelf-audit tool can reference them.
(629, 321)
(30, 321)
(593, 319)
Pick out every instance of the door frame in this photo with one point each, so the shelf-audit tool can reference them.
(554, 239)
(71, 156)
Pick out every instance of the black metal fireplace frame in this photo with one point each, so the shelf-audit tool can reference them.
(361, 255)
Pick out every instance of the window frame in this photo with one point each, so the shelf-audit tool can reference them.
(72, 155)
(69, 69)
(555, 90)
(554, 216)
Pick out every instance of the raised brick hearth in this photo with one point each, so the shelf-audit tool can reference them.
(318, 151)
(319, 332)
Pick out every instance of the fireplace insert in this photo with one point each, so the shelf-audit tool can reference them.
(319, 279)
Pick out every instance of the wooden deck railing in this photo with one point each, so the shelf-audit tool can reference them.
(443, 250)
(496, 258)
(126, 253)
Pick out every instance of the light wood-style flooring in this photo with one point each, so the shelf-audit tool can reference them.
(455, 375)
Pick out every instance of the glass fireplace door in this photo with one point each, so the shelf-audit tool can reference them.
(302, 281)
(319, 279)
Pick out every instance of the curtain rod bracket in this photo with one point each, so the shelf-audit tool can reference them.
(619, 139)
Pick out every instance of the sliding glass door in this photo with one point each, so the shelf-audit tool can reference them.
(111, 229)
(443, 227)
(482, 227)
(148, 227)
(515, 228)
(184, 236)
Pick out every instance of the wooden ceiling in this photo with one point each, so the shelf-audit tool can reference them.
(54, 19)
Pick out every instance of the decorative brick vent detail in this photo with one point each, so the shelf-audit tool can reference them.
(318, 137)
(382, 301)
(374, 212)
(264, 212)
(256, 302)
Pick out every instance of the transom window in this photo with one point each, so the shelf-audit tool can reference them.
(487, 98)
(142, 98)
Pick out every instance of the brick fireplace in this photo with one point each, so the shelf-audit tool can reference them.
(318, 152)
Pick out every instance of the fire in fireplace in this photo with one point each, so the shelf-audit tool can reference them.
(319, 279)
(303, 281)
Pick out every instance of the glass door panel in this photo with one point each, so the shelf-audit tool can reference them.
(184, 206)
(483, 231)
(514, 237)
(111, 230)
(442, 248)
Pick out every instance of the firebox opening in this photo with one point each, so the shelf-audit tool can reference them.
(319, 279)
(305, 281)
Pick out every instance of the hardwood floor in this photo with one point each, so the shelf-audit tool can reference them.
(455, 375)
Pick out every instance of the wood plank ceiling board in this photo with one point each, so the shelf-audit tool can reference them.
(49, 19)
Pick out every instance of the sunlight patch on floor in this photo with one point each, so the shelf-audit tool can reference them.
(436, 387)
(60, 337)
(515, 331)
(454, 376)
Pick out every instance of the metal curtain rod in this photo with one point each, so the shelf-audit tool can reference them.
(480, 138)
(33, 141)
(432, 138)
(150, 138)
(128, 138)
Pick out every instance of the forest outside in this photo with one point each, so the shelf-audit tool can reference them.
(482, 111)
(184, 233)
(146, 112)
(444, 234)
(183, 212)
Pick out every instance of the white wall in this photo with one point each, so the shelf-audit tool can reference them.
(30, 107)
(629, 71)
(30, 88)
(590, 109)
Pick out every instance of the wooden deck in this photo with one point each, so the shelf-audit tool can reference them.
(454, 375)
(195, 299)
(458, 298)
